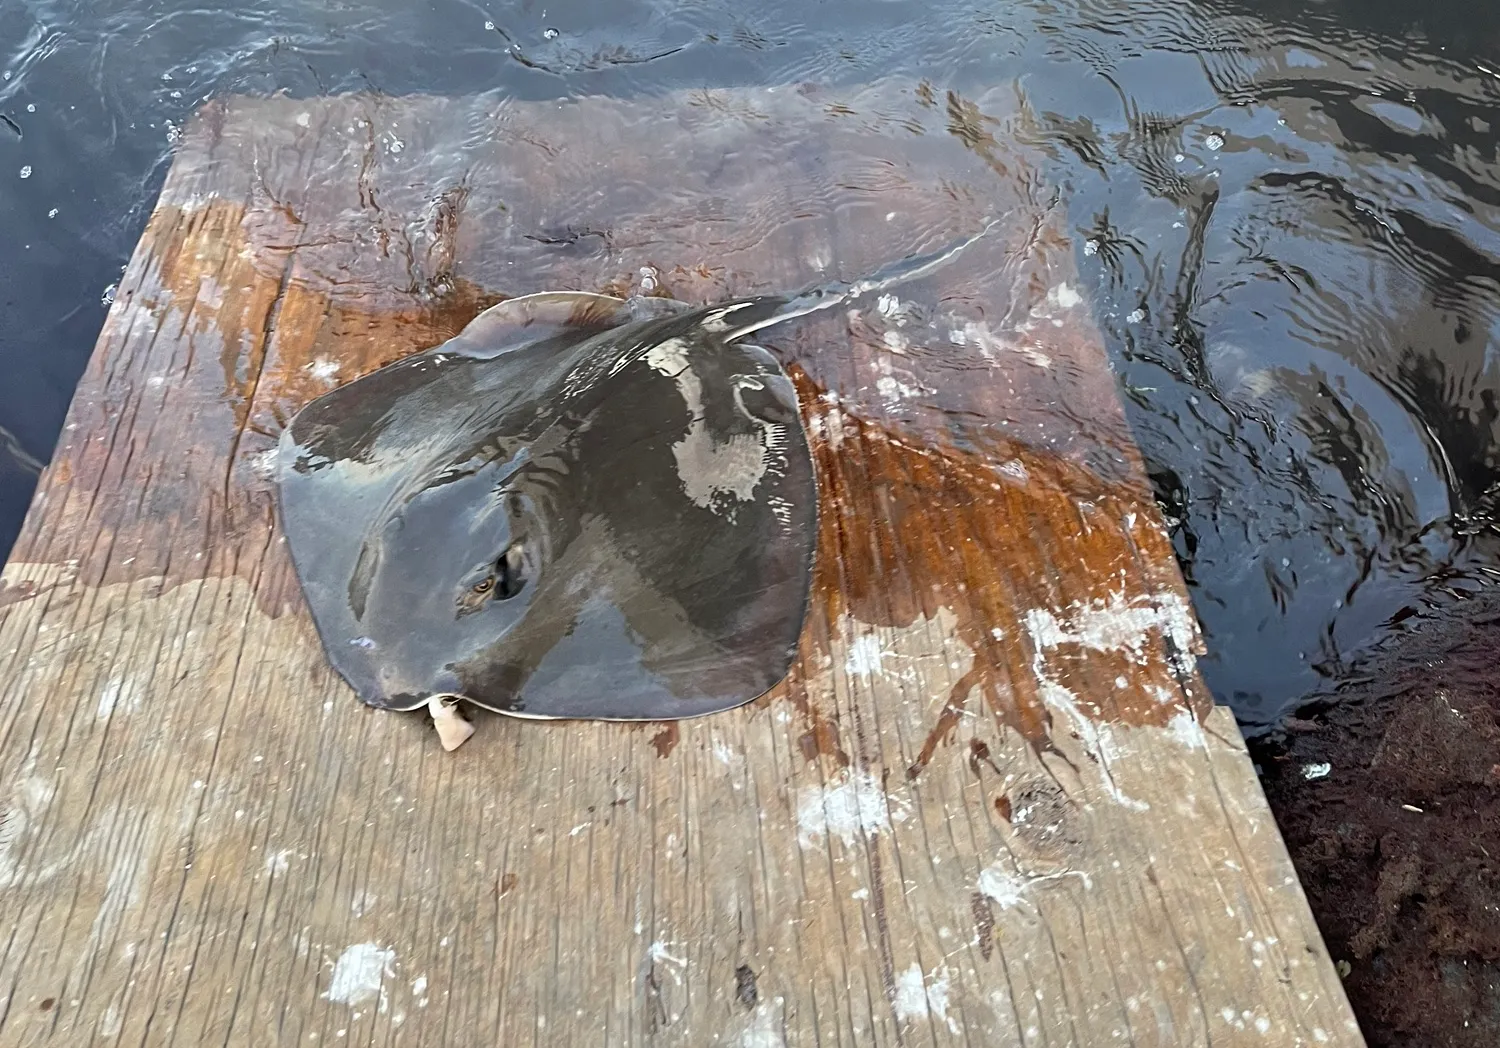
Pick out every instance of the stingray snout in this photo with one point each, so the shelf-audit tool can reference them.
(406, 690)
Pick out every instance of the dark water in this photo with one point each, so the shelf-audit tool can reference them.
(1286, 213)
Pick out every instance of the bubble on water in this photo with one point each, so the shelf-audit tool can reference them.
(109, 294)
(489, 27)
(26, 171)
(550, 33)
(31, 107)
(6, 74)
(173, 131)
(176, 94)
(1136, 316)
(1179, 157)
(1214, 142)
(1091, 247)
(166, 78)
(52, 213)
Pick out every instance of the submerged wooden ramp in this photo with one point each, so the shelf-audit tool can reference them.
(992, 805)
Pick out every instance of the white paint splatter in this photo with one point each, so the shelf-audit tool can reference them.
(1097, 738)
(358, 973)
(1008, 890)
(937, 997)
(854, 805)
(724, 753)
(659, 954)
(323, 369)
(26, 812)
(263, 464)
(1000, 887)
(675, 966)
(1065, 296)
(917, 997)
(865, 656)
(763, 1032)
(1120, 625)
(109, 1022)
(1184, 728)
(911, 994)
(834, 421)
(989, 344)
(1015, 469)
(118, 694)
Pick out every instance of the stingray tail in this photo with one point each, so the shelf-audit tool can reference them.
(756, 314)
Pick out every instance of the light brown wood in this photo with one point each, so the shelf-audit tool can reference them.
(992, 804)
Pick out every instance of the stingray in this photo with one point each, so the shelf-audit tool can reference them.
(580, 506)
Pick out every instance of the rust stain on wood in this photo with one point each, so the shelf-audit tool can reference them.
(665, 740)
(907, 528)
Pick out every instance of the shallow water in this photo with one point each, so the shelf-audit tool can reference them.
(1286, 216)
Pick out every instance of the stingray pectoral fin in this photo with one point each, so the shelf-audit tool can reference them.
(351, 421)
(528, 319)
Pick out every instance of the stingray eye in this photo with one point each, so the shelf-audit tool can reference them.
(509, 572)
(483, 586)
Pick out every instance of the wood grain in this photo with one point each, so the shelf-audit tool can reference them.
(992, 803)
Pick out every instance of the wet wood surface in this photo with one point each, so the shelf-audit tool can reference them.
(992, 804)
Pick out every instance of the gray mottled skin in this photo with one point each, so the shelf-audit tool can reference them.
(580, 506)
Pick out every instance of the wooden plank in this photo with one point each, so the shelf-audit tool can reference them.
(992, 804)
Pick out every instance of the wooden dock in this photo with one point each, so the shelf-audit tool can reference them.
(993, 804)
